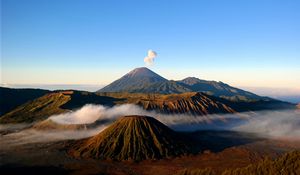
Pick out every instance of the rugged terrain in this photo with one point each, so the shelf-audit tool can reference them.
(141, 87)
(193, 103)
(53, 103)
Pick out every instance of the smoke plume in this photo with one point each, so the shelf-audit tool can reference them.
(149, 59)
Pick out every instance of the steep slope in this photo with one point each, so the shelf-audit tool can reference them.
(187, 103)
(166, 87)
(37, 109)
(132, 138)
(196, 103)
(10, 98)
(53, 103)
(136, 79)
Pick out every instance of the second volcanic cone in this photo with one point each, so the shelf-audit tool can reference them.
(132, 138)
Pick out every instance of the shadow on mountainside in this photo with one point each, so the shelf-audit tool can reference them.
(79, 99)
(217, 141)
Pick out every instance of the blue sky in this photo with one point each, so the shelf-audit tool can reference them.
(243, 43)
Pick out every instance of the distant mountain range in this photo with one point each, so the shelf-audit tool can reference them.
(141, 87)
(193, 103)
(143, 80)
(63, 101)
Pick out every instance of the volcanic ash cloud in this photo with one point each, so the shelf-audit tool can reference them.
(149, 59)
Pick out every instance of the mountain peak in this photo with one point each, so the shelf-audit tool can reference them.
(134, 80)
(190, 80)
(142, 72)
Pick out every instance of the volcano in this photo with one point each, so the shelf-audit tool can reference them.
(134, 80)
(143, 80)
(132, 138)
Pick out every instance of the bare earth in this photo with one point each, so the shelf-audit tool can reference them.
(223, 151)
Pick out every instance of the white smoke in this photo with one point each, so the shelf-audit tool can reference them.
(149, 59)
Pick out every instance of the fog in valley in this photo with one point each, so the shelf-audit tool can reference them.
(270, 124)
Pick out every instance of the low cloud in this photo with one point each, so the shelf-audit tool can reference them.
(30, 136)
(91, 113)
(270, 124)
(85, 115)
(274, 124)
(149, 59)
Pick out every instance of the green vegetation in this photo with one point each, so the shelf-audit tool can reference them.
(51, 104)
(11, 98)
(132, 138)
(286, 164)
(38, 109)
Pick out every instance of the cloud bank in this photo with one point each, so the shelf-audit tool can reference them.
(30, 136)
(284, 123)
(274, 124)
(270, 124)
(91, 113)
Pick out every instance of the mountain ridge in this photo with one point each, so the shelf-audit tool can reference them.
(64, 101)
(143, 80)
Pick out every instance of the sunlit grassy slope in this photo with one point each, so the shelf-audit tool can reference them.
(287, 164)
(52, 103)
(11, 98)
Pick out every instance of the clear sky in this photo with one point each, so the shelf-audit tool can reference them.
(240, 42)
